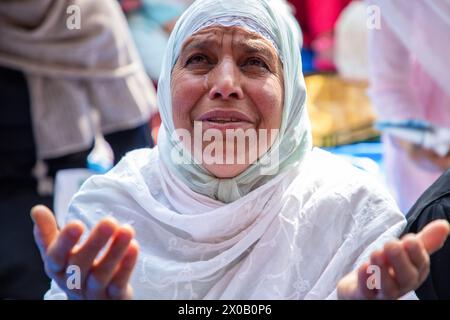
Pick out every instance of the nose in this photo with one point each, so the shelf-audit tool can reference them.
(225, 81)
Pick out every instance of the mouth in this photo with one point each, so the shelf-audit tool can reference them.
(224, 117)
(223, 120)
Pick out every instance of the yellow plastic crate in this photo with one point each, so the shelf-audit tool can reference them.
(340, 111)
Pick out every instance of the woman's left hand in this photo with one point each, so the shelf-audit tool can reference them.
(402, 266)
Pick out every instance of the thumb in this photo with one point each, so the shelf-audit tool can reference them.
(434, 235)
(45, 227)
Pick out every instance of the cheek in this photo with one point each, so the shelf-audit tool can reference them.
(268, 99)
(186, 91)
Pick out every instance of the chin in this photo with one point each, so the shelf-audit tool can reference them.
(226, 171)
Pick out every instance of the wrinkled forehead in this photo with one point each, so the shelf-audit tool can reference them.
(252, 17)
(244, 23)
(246, 40)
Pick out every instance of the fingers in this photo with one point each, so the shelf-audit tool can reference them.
(417, 254)
(45, 228)
(406, 274)
(102, 273)
(434, 235)
(119, 287)
(403, 265)
(388, 288)
(347, 287)
(84, 256)
(58, 252)
(110, 276)
(367, 285)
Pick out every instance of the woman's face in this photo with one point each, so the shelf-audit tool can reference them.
(227, 92)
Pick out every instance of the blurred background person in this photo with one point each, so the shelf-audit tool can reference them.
(410, 80)
(151, 22)
(62, 82)
(351, 43)
(317, 19)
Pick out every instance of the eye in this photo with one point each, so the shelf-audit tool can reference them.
(256, 62)
(197, 59)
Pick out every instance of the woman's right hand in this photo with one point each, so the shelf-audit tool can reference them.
(106, 277)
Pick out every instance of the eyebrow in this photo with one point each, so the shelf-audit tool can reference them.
(258, 47)
(253, 46)
(199, 45)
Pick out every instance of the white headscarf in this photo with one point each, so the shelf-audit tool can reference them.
(273, 21)
(423, 28)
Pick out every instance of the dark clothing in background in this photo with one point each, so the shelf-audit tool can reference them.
(21, 270)
(432, 205)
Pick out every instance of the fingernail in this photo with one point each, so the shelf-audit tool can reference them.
(448, 224)
(129, 228)
(32, 212)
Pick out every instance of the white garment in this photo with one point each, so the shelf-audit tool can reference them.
(351, 34)
(421, 27)
(410, 80)
(294, 237)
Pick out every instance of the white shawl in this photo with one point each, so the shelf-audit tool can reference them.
(292, 238)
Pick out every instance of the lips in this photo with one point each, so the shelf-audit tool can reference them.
(221, 116)
(223, 120)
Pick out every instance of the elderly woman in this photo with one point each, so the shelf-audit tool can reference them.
(286, 222)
